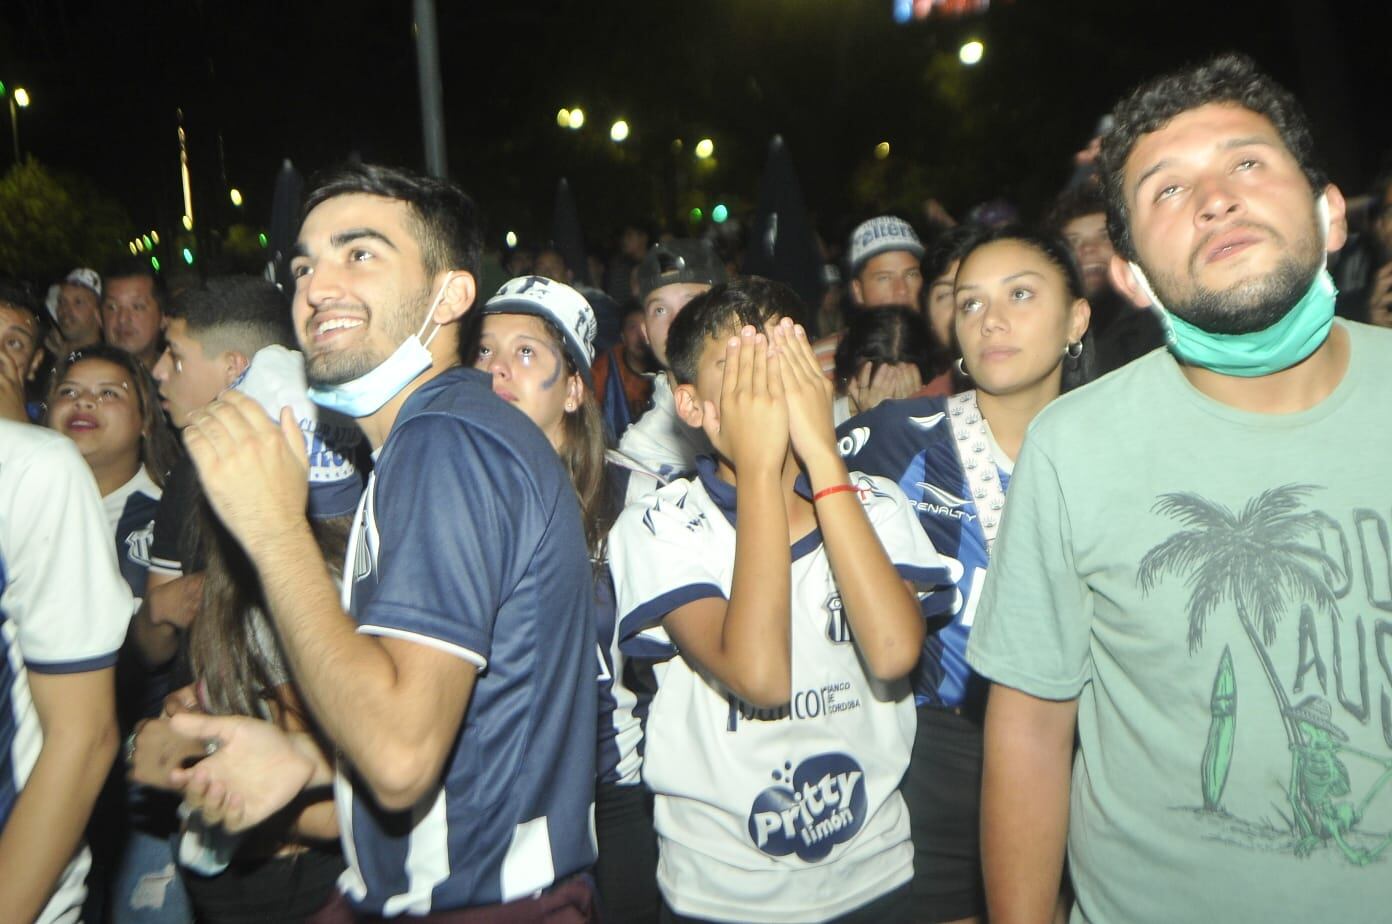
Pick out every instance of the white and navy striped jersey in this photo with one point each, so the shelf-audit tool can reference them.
(913, 443)
(468, 540)
(625, 686)
(130, 515)
(789, 814)
(63, 605)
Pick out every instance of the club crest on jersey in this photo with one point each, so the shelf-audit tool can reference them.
(808, 811)
(837, 629)
(138, 544)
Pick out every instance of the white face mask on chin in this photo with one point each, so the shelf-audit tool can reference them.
(366, 394)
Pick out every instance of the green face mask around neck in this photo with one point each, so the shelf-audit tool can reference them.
(1256, 353)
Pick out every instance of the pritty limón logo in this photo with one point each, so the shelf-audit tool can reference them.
(810, 810)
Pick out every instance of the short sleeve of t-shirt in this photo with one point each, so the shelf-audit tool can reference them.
(663, 553)
(170, 551)
(462, 503)
(906, 545)
(1033, 623)
(61, 585)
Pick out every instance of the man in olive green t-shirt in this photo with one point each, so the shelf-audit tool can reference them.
(1195, 570)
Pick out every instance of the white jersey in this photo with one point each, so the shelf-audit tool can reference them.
(791, 814)
(659, 441)
(63, 605)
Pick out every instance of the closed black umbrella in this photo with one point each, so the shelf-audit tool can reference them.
(782, 245)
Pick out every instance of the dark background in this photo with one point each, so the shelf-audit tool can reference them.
(313, 81)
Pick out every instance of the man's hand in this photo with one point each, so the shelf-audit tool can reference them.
(255, 769)
(753, 415)
(1380, 298)
(156, 750)
(808, 393)
(11, 390)
(255, 474)
(889, 382)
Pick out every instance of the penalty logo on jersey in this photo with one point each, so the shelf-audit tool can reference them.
(810, 810)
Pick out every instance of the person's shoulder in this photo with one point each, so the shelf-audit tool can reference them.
(460, 408)
(1130, 394)
(32, 445)
(1377, 338)
(678, 508)
(905, 424)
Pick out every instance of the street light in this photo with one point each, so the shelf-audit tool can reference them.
(235, 195)
(618, 132)
(882, 150)
(19, 97)
(971, 52)
(705, 148)
(577, 118)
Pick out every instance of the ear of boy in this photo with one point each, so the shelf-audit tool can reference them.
(234, 364)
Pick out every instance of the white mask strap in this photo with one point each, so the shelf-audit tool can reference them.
(431, 313)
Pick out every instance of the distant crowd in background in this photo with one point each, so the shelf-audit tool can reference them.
(448, 586)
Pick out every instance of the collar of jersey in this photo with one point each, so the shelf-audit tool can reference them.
(723, 494)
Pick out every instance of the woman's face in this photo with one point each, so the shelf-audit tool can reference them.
(97, 406)
(529, 370)
(1014, 316)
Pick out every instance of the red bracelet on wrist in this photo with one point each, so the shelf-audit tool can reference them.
(834, 489)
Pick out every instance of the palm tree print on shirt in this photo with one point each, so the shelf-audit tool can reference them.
(1256, 560)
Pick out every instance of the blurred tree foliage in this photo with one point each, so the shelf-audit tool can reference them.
(51, 222)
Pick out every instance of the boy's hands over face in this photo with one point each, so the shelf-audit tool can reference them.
(753, 415)
(808, 392)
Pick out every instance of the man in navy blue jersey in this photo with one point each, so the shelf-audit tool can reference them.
(455, 674)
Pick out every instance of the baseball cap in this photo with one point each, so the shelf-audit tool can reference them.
(85, 277)
(882, 234)
(555, 302)
(672, 262)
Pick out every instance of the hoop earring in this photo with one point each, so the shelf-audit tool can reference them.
(961, 370)
(1074, 349)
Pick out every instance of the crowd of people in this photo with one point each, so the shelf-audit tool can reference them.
(391, 598)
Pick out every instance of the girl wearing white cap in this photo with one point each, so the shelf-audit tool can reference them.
(537, 342)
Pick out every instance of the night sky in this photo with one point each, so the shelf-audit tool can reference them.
(315, 81)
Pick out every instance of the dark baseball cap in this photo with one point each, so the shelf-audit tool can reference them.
(683, 260)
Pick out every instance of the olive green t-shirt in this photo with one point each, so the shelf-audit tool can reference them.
(1215, 587)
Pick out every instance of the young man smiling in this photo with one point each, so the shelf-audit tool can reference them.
(467, 584)
(1182, 538)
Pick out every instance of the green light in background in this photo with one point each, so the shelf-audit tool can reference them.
(695, 215)
(262, 238)
(719, 213)
(154, 262)
(188, 256)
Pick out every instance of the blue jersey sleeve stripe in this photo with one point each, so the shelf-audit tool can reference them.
(429, 641)
(425, 624)
(655, 610)
(97, 663)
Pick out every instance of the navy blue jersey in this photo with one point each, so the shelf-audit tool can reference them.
(911, 442)
(468, 540)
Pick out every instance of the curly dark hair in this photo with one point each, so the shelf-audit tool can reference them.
(1227, 78)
